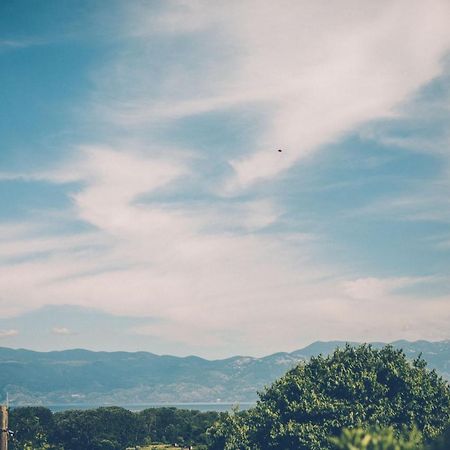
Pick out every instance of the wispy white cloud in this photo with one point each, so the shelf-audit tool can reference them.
(379, 288)
(12, 44)
(8, 333)
(62, 331)
(425, 202)
(232, 288)
(212, 271)
(25, 245)
(318, 70)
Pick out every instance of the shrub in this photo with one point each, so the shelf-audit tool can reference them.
(377, 439)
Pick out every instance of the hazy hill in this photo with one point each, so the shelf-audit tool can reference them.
(82, 376)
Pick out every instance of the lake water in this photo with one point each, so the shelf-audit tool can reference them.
(139, 407)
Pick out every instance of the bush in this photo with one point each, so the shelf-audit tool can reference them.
(377, 439)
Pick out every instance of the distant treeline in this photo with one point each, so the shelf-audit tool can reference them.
(108, 428)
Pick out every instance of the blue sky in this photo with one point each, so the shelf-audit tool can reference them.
(145, 205)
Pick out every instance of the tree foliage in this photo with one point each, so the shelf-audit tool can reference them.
(110, 428)
(377, 439)
(33, 427)
(231, 432)
(186, 427)
(442, 442)
(355, 387)
(98, 429)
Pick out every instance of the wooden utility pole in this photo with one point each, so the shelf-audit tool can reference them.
(4, 424)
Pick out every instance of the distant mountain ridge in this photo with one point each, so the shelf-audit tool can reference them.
(87, 377)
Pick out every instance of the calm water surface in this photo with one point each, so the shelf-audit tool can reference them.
(140, 407)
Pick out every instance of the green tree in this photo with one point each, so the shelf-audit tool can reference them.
(231, 432)
(33, 427)
(101, 428)
(355, 387)
(377, 439)
(442, 442)
(172, 425)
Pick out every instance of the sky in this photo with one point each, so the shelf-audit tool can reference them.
(145, 204)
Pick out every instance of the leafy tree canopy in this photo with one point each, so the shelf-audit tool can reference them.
(106, 428)
(377, 439)
(442, 442)
(32, 427)
(355, 387)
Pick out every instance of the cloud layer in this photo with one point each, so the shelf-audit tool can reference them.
(318, 70)
(198, 239)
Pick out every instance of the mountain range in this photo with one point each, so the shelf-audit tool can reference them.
(79, 377)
